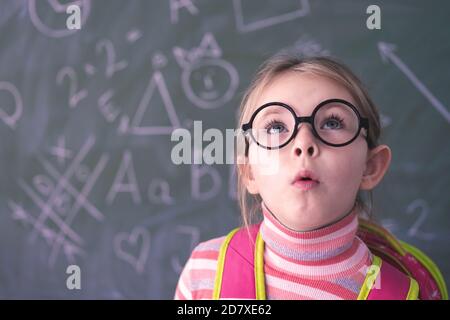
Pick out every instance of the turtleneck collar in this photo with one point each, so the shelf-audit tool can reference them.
(335, 244)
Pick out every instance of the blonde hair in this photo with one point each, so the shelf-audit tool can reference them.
(321, 66)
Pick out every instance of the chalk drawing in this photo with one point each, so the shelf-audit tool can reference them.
(138, 238)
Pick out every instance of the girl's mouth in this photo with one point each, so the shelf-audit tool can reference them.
(305, 180)
(306, 184)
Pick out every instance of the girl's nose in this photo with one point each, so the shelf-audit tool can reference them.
(305, 141)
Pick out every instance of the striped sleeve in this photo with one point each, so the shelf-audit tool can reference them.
(197, 278)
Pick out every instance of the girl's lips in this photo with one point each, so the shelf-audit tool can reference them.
(306, 184)
(302, 174)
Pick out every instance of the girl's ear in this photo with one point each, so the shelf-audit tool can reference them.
(378, 161)
(245, 171)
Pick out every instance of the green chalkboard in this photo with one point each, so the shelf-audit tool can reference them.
(86, 117)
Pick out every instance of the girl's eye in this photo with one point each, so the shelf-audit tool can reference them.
(333, 122)
(274, 127)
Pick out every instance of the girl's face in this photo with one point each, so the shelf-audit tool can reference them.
(339, 170)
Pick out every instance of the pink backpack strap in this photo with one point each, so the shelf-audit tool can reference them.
(392, 284)
(237, 278)
(406, 258)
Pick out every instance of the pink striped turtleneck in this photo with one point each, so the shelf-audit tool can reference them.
(326, 263)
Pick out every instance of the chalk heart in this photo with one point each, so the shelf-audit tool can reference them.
(125, 242)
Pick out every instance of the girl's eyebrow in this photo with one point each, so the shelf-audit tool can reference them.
(268, 111)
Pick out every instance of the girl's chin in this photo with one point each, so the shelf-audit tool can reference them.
(306, 222)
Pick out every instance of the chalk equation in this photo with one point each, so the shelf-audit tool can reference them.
(420, 209)
(208, 81)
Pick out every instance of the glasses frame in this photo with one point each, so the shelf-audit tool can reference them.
(363, 123)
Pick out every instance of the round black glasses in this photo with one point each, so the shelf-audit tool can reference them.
(335, 122)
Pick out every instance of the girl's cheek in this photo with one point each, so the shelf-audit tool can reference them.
(355, 170)
(346, 165)
(265, 162)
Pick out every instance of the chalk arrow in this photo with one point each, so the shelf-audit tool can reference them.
(387, 53)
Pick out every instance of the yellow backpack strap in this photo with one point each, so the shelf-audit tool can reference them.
(413, 292)
(371, 276)
(220, 265)
(430, 265)
(405, 257)
(239, 267)
(259, 269)
(393, 284)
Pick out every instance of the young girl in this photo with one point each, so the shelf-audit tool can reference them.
(313, 122)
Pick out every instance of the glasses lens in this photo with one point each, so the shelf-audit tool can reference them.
(273, 126)
(336, 123)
